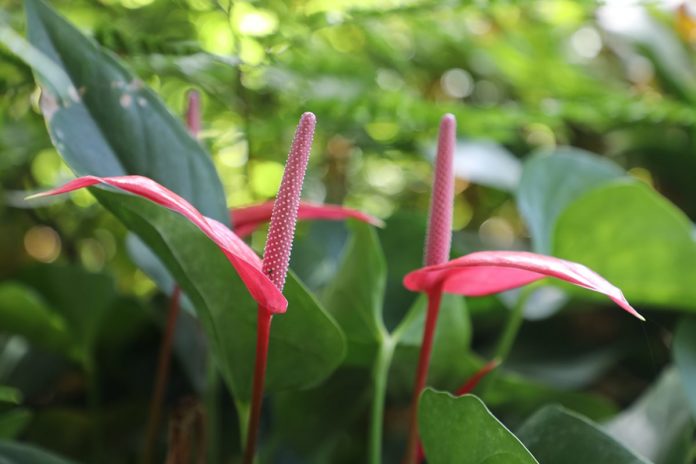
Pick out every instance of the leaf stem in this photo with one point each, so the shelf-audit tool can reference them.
(509, 334)
(263, 332)
(380, 373)
(434, 298)
(163, 364)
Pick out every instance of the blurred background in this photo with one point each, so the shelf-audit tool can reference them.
(616, 78)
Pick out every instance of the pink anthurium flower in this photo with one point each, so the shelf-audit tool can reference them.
(247, 219)
(240, 255)
(477, 274)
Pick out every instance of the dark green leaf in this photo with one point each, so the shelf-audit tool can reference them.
(113, 124)
(23, 312)
(306, 344)
(16, 453)
(464, 431)
(658, 422)
(13, 422)
(558, 436)
(634, 238)
(356, 294)
(552, 181)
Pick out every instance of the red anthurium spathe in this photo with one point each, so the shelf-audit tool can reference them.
(247, 264)
(249, 218)
(488, 272)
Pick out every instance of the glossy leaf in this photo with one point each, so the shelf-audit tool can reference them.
(488, 272)
(558, 436)
(113, 124)
(249, 218)
(17, 453)
(463, 430)
(551, 181)
(305, 337)
(649, 242)
(658, 425)
(356, 294)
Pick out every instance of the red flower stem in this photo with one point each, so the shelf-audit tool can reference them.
(165, 356)
(263, 332)
(426, 350)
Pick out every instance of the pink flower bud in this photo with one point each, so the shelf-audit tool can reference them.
(439, 238)
(193, 112)
(276, 255)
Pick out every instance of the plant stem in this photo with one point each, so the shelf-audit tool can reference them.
(509, 335)
(422, 372)
(380, 373)
(163, 363)
(263, 332)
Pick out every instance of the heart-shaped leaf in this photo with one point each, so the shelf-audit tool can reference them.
(551, 181)
(356, 294)
(464, 431)
(113, 124)
(558, 436)
(636, 239)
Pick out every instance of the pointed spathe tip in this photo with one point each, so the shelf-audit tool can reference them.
(448, 118)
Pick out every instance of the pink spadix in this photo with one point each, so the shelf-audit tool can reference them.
(276, 255)
(439, 238)
(276, 259)
(437, 251)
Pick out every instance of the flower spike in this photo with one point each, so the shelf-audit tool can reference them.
(439, 238)
(276, 254)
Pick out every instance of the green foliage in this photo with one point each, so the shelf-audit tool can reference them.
(446, 424)
(556, 435)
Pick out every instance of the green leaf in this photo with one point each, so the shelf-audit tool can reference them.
(356, 294)
(10, 395)
(113, 124)
(16, 453)
(684, 353)
(81, 298)
(634, 238)
(13, 422)
(23, 312)
(659, 424)
(552, 181)
(306, 344)
(464, 431)
(450, 364)
(558, 436)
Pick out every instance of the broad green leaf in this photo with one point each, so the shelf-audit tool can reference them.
(306, 344)
(659, 424)
(450, 364)
(17, 453)
(464, 431)
(113, 124)
(558, 436)
(10, 395)
(81, 298)
(634, 238)
(684, 353)
(552, 181)
(356, 294)
(23, 312)
(13, 422)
